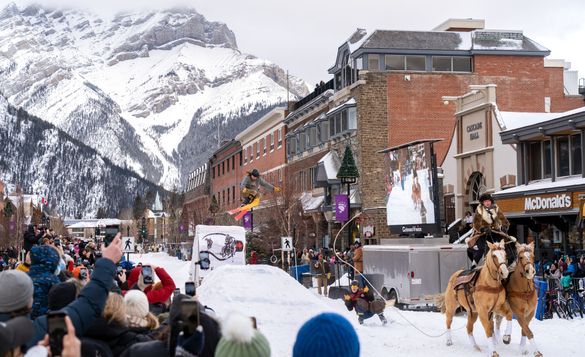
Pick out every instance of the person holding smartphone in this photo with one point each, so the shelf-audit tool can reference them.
(158, 293)
(16, 295)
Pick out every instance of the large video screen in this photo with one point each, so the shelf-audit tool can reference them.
(409, 185)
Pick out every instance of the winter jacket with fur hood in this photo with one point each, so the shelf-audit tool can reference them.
(489, 217)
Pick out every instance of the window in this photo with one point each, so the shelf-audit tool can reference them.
(313, 136)
(279, 138)
(324, 131)
(394, 63)
(352, 114)
(359, 63)
(223, 196)
(343, 115)
(374, 62)
(245, 154)
(547, 159)
(264, 144)
(213, 172)
(233, 193)
(271, 142)
(279, 175)
(576, 168)
(415, 63)
(291, 146)
(257, 145)
(223, 167)
(233, 162)
(442, 64)
(461, 64)
(228, 195)
(534, 161)
(562, 147)
(332, 126)
(227, 165)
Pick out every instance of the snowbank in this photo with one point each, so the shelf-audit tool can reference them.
(281, 306)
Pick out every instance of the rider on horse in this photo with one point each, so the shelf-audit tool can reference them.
(489, 225)
(250, 185)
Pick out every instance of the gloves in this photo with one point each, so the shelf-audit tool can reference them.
(366, 289)
(245, 191)
(513, 239)
(346, 297)
(486, 230)
(328, 276)
(277, 189)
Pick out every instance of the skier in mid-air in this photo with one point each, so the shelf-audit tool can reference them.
(250, 185)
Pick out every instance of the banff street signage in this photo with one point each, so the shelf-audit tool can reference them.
(554, 202)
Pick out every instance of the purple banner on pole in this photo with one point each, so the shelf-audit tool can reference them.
(247, 220)
(341, 208)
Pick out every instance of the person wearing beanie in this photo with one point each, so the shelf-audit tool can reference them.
(61, 295)
(241, 339)
(364, 303)
(82, 311)
(139, 317)
(327, 335)
(16, 294)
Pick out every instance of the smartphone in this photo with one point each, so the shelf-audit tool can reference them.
(147, 274)
(83, 274)
(190, 288)
(57, 241)
(176, 292)
(110, 234)
(57, 329)
(119, 269)
(189, 315)
(204, 261)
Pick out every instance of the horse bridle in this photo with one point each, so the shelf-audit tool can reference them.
(497, 264)
(523, 266)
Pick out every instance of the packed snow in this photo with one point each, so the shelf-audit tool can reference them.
(281, 306)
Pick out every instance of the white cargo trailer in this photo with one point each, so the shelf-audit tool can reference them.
(413, 271)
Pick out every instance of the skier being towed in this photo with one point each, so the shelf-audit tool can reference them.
(250, 185)
(363, 302)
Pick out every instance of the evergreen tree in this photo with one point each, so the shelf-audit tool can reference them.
(102, 213)
(138, 207)
(348, 167)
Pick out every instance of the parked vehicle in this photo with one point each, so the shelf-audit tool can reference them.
(413, 271)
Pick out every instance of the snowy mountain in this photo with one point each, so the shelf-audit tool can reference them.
(146, 90)
(75, 178)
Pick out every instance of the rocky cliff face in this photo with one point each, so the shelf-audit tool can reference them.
(75, 178)
(137, 87)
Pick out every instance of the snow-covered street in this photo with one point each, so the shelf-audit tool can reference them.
(281, 306)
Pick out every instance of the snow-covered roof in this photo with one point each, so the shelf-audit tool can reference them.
(310, 203)
(157, 205)
(331, 163)
(515, 120)
(347, 103)
(543, 185)
(83, 224)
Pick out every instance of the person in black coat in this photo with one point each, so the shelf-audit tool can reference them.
(30, 238)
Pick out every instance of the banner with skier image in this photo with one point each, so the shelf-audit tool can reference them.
(410, 207)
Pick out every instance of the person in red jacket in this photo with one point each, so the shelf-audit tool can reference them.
(159, 293)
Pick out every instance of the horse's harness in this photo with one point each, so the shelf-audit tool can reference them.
(529, 293)
(470, 287)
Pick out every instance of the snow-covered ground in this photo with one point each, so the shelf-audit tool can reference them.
(281, 306)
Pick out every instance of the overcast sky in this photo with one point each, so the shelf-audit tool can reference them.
(302, 35)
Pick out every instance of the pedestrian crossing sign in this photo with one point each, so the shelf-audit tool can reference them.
(128, 244)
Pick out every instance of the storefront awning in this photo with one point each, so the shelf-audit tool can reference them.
(327, 169)
(311, 204)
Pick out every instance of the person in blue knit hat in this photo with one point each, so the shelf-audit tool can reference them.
(327, 335)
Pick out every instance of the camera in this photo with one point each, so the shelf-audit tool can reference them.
(57, 329)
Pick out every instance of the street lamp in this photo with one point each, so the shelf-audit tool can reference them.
(348, 175)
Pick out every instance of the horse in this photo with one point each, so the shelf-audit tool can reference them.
(481, 297)
(416, 192)
(522, 298)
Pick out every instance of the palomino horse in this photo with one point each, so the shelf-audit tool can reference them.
(482, 299)
(522, 298)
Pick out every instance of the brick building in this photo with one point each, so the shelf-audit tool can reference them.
(398, 79)
(226, 173)
(196, 208)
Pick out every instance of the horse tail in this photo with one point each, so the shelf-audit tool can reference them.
(440, 303)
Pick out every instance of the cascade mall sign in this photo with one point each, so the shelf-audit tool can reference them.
(548, 202)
